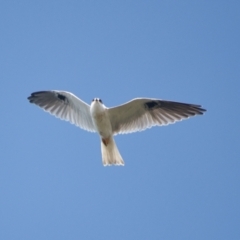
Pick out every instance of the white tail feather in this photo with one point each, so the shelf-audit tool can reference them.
(110, 154)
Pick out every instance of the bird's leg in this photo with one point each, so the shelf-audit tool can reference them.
(105, 141)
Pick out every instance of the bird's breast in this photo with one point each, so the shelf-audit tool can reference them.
(101, 121)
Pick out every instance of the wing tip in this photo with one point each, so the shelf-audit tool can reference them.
(200, 110)
(34, 95)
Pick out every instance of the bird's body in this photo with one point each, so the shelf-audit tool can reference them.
(101, 121)
(136, 115)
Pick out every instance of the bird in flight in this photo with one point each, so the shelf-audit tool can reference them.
(135, 115)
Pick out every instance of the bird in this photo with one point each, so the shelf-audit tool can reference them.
(135, 115)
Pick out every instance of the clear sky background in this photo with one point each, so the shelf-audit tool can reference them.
(180, 181)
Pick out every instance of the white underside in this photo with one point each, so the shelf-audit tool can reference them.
(110, 153)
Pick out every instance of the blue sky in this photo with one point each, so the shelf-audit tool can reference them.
(180, 181)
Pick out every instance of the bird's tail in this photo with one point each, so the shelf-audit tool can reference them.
(110, 153)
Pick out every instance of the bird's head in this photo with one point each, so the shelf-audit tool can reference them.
(98, 100)
(97, 105)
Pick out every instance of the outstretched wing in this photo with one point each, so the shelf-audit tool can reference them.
(142, 113)
(66, 106)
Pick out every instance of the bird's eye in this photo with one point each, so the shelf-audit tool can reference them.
(92, 100)
(100, 100)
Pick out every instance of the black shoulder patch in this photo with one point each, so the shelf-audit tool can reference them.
(152, 105)
(62, 97)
